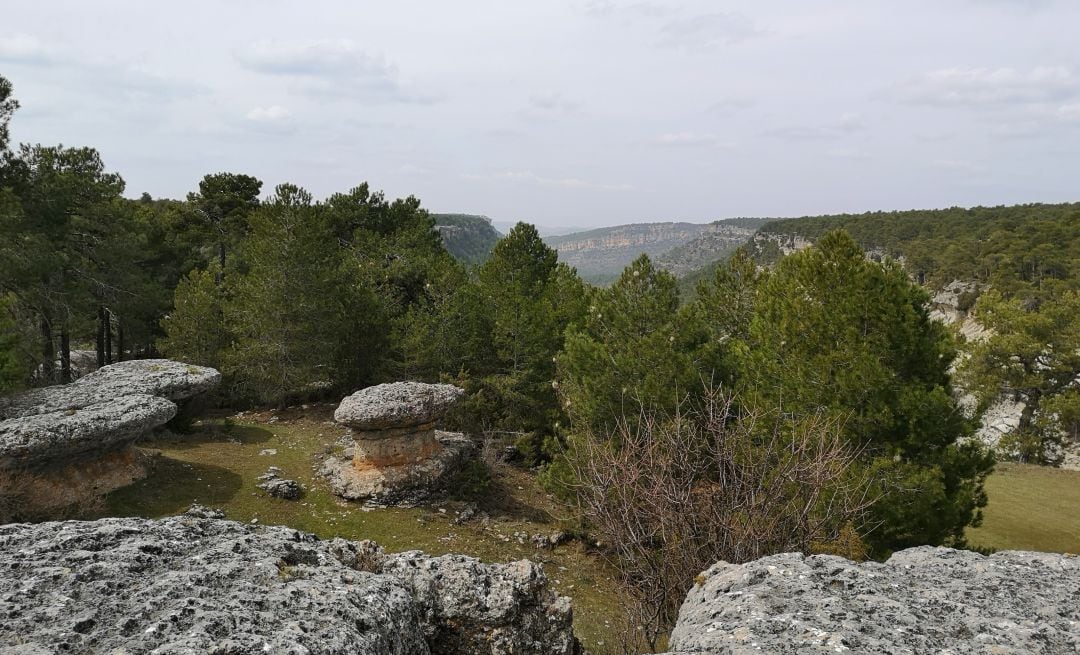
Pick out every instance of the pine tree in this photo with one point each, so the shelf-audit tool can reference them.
(1032, 355)
(834, 331)
(633, 351)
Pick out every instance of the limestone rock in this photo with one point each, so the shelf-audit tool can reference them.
(67, 445)
(197, 585)
(922, 600)
(165, 378)
(397, 405)
(397, 457)
(470, 607)
(102, 427)
(403, 485)
(277, 486)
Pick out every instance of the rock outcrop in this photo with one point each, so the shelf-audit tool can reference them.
(396, 455)
(922, 600)
(164, 378)
(108, 425)
(272, 483)
(62, 444)
(195, 584)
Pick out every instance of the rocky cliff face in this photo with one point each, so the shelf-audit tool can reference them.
(199, 584)
(717, 242)
(467, 237)
(601, 255)
(922, 600)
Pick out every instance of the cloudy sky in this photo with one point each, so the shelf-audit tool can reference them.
(568, 112)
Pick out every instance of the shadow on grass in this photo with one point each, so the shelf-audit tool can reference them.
(172, 487)
(499, 500)
(212, 433)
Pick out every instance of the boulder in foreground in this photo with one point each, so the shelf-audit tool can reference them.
(195, 584)
(922, 600)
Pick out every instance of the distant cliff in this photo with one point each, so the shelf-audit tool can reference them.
(467, 237)
(719, 240)
(600, 255)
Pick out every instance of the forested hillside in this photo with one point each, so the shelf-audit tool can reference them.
(467, 237)
(1002, 246)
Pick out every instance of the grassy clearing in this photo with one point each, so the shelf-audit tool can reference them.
(1031, 508)
(218, 464)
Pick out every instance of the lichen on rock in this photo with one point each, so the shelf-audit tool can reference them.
(922, 600)
(190, 584)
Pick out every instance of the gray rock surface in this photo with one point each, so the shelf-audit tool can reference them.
(405, 485)
(397, 405)
(105, 426)
(466, 606)
(165, 378)
(191, 584)
(922, 600)
(277, 486)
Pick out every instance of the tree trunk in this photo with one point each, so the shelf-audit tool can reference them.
(101, 336)
(119, 341)
(65, 355)
(48, 353)
(108, 337)
(221, 260)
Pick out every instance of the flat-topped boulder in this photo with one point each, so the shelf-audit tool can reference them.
(108, 425)
(175, 381)
(67, 444)
(397, 405)
(195, 584)
(921, 600)
(395, 456)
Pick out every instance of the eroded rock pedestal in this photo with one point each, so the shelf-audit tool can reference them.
(396, 456)
(65, 444)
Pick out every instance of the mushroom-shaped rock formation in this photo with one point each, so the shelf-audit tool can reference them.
(70, 443)
(396, 455)
(164, 378)
(108, 425)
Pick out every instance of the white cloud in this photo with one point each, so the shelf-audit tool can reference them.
(846, 124)
(1069, 112)
(986, 86)
(271, 114)
(330, 68)
(704, 32)
(553, 103)
(730, 106)
(25, 49)
(689, 139)
(528, 177)
(848, 153)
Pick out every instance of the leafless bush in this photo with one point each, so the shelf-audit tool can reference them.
(670, 495)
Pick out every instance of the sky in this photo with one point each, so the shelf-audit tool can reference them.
(567, 113)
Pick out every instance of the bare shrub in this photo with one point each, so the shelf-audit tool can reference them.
(669, 495)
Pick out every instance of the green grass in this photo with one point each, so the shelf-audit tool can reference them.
(1030, 508)
(217, 466)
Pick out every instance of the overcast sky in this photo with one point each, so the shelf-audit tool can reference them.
(568, 112)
